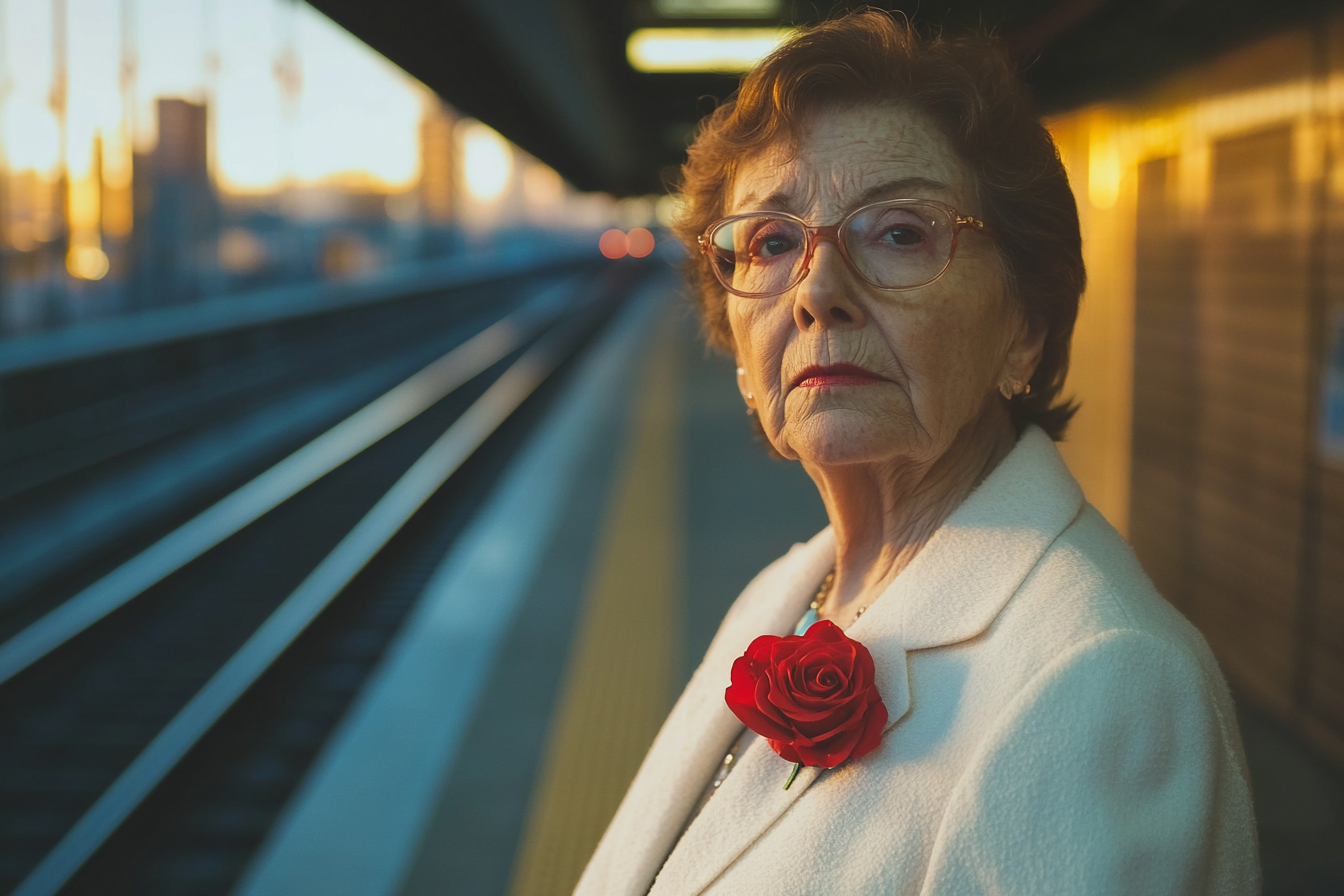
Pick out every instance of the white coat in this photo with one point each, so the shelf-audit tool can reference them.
(1055, 728)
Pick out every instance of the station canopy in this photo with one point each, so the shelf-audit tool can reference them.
(563, 79)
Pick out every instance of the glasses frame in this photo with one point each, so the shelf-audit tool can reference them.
(832, 232)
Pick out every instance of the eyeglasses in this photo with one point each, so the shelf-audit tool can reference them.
(898, 244)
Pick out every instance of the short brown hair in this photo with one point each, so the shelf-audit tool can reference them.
(968, 86)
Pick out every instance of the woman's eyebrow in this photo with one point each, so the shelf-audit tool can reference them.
(900, 188)
(780, 199)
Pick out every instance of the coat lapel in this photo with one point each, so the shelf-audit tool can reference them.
(747, 804)
(700, 730)
(959, 583)
(952, 591)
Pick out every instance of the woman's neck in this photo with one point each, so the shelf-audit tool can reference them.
(883, 513)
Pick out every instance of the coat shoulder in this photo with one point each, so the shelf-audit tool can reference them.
(1090, 582)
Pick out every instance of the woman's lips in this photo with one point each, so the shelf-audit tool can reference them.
(821, 377)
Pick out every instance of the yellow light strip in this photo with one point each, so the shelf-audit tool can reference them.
(701, 49)
(706, 9)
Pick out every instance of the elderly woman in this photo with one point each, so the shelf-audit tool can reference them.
(965, 684)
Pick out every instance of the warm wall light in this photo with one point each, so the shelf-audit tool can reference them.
(701, 49)
(487, 161)
(1103, 168)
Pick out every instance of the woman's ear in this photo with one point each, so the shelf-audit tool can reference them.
(743, 386)
(1023, 357)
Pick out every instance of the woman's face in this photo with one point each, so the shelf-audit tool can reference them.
(921, 363)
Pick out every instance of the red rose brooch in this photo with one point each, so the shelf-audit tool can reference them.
(812, 696)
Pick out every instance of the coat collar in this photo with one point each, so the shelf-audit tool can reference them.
(960, 581)
(952, 591)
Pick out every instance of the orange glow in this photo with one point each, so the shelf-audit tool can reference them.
(613, 244)
(639, 242)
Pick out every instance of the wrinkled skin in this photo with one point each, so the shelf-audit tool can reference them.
(894, 453)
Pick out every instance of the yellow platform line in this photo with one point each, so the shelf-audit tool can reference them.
(619, 683)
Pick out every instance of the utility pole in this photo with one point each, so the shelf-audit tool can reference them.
(57, 100)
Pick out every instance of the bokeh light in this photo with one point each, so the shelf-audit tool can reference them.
(639, 242)
(487, 160)
(613, 244)
(87, 262)
(668, 208)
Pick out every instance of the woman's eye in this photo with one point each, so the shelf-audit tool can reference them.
(902, 236)
(771, 243)
(775, 245)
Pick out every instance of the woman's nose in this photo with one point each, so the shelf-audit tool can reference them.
(826, 298)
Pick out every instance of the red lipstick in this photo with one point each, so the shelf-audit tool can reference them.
(819, 376)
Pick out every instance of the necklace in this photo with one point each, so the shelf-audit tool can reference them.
(824, 591)
(813, 613)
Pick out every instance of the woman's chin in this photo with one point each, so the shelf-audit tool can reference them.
(842, 438)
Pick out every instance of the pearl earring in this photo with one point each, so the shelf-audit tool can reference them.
(748, 396)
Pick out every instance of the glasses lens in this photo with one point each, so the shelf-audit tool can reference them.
(900, 245)
(758, 255)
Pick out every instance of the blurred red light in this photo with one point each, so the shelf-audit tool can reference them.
(613, 244)
(639, 242)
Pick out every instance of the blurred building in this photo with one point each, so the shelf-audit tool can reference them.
(176, 209)
(438, 183)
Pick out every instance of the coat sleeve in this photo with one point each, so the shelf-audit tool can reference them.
(1113, 772)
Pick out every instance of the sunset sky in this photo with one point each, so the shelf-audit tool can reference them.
(355, 112)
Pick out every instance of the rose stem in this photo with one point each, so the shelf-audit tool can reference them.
(793, 774)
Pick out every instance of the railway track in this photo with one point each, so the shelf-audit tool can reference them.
(158, 708)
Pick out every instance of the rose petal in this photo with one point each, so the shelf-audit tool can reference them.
(874, 722)
(830, 752)
(825, 630)
(761, 700)
(759, 650)
(748, 714)
(817, 725)
(785, 750)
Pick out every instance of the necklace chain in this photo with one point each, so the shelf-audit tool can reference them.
(824, 592)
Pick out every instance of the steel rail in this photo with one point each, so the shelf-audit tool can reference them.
(281, 482)
(295, 614)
